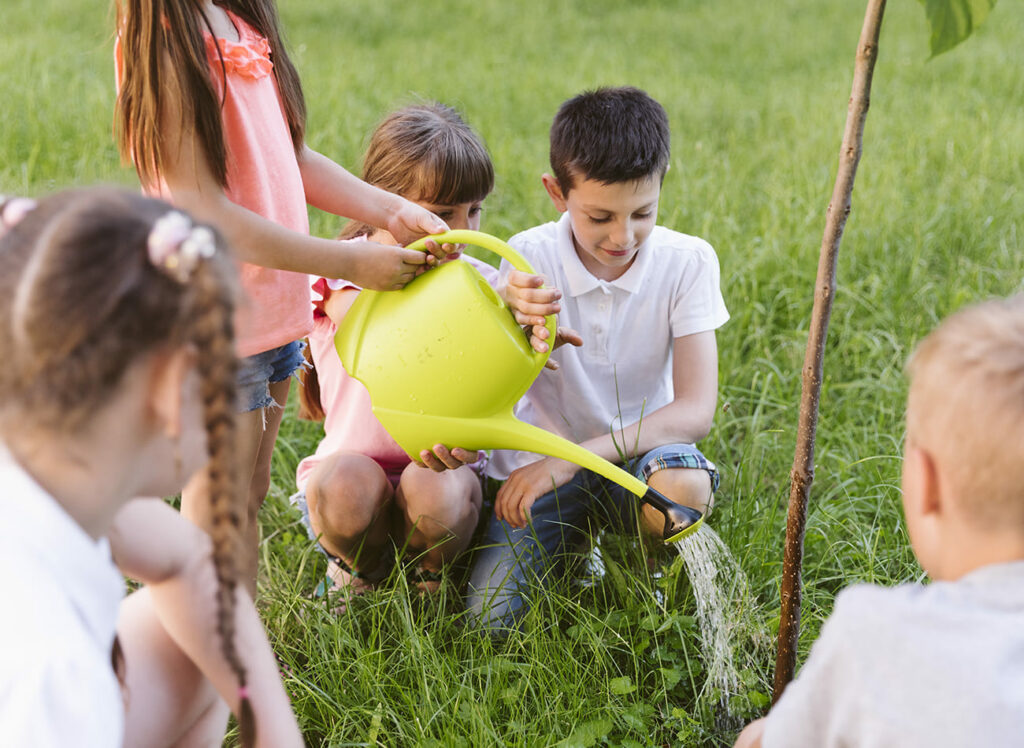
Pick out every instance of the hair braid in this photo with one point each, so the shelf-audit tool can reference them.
(212, 335)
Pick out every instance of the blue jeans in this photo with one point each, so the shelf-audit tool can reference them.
(512, 562)
(256, 373)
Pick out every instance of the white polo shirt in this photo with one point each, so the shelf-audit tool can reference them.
(61, 594)
(628, 325)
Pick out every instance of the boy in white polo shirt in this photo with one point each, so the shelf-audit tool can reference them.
(642, 389)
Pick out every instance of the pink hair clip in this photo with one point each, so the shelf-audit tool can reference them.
(176, 245)
(12, 210)
(243, 692)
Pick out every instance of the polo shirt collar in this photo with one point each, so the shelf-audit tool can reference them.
(83, 566)
(581, 281)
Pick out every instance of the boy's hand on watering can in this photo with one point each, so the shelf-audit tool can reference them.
(527, 484)
(442, 458)
(530, 302)
(563, 336)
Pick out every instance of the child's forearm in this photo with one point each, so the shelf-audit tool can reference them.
(154, 544)
(186, 607)
(331, 187)
(677, 422)
(260, 241)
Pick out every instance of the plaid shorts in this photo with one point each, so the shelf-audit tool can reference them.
(675, 456)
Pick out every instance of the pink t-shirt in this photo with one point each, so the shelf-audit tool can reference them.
(350, 424)
(263, 176)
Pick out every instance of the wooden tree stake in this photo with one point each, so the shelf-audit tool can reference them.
(824, 289)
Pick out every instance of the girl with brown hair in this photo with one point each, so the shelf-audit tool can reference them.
(360, 491)
(118, 382)
(210, 111)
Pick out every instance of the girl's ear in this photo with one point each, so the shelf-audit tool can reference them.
(168, 371)
(555, 192)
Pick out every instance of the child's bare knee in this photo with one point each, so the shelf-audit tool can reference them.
(688, 486)
(346, 498)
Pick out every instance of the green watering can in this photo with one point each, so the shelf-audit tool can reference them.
(445, 362)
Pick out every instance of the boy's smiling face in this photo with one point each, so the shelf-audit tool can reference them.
(609, 221)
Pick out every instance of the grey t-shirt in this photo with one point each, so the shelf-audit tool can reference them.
(940, 665)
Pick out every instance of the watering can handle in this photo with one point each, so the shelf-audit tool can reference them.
(494, 244)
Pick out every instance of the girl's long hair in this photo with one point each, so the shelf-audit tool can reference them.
(80, 301)
(164, 55)
(424, 152)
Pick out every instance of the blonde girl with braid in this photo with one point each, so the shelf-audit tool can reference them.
(118, 382)
(210, 111)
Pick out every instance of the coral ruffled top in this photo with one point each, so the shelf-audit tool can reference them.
(263, 176)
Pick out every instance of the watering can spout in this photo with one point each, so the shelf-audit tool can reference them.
(680, 520)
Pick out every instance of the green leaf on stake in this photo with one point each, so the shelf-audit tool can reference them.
(952, 21)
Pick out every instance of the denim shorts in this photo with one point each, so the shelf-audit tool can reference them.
(256, 373)
(510, 558)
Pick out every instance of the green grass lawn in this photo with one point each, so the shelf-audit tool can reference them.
(757, 94)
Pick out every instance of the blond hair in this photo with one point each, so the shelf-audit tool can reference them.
(966, 407)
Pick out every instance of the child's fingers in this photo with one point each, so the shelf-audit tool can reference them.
(506, 504)
(429, 460)
(568, 336)
(437, 252)
(465, 456)
(534, 313)
(524, 280)
(532, 320)
(545, 299)
(412, 256)
(447, 457)
(524, 512)
(538, 343)
(499, 502)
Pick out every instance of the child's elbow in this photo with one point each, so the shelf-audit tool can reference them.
(702, 430)
(702, 422)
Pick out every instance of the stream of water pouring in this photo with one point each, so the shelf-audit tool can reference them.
(723, 606)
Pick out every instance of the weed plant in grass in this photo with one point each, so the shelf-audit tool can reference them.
(756, 94)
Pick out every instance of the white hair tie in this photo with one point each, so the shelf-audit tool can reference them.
(176, 245)
(12, 210)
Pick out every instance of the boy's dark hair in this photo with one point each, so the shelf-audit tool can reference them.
(609, 135)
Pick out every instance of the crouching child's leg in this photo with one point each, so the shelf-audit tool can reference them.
(513, 564)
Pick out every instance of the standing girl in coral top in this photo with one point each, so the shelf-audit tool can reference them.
(360, 491)
(211, 112)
